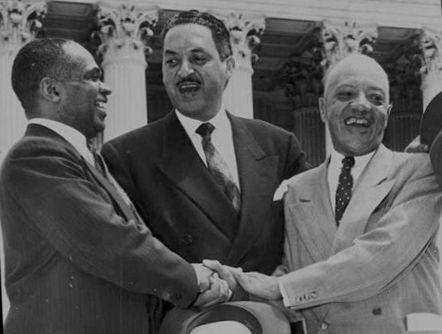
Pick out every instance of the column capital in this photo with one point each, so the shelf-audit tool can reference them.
(340, 40)
(430, 44)
(124, 32)
(244, 35)
(19, 23)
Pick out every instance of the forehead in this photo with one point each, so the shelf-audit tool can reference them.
(80, 56)
(188, 36)
(358, 72)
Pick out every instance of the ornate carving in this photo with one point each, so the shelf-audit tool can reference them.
(339, 41)
(301, 77)
(125, 28)
(20, 22)
(244, 32)
(430, 44)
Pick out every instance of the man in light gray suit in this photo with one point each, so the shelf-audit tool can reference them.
(360, 252)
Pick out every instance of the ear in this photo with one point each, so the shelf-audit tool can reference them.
(323, 109)
(230, 66)
(388, 114)
(50, 89)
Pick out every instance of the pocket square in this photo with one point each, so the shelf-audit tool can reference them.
(280, 191)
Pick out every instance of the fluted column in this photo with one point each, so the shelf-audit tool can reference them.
(124, 32)
(19, 23)
(341, 40)
(430, 43)
(244, 32)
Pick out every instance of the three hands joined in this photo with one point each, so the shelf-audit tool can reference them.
(218, 282)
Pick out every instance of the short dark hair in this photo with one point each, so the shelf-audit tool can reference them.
(37, 59)
(220, 34)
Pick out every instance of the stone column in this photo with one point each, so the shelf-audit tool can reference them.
(124, 32)
(341, 40)
(244, 32)
(19, 23)
(430, 43)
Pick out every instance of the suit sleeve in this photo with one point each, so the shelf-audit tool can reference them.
(77, 218)
(436, 157)
(295, 158)
(379, 256)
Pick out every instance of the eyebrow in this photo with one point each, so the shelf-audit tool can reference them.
(94, 71)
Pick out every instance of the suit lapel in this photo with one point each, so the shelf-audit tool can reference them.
(371, 188)
(182, 165)
(312, 213)
(39, 130)
(256, 171)
(118, 201)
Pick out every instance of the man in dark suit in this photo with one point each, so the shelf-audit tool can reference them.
(166, 167)
(78, 257)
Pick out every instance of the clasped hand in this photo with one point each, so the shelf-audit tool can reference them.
(217, 282)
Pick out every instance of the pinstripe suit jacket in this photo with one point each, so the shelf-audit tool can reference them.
(77, 259)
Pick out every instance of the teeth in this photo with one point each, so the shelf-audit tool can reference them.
(357, 121)
(189, 85)
(100, 104)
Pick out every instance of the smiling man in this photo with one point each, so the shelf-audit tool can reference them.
(78, 257)
(202, 178)
(360, 252)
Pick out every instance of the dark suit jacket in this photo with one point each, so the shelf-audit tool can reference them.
(163, 174)
(77, 260)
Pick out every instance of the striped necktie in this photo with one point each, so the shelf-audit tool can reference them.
(218, 167)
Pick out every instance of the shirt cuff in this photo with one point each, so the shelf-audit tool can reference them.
(285, 298)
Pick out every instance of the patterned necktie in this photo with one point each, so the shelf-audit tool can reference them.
(100, 165)
(217, 166)
(345, 185)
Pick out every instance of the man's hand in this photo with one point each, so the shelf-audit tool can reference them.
(218, 292)
(202, 273)
(416, 147)
(259, 285)
(224, 272)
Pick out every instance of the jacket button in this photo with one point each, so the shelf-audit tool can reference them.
(324, 326)
(187, 239)
(377, 311)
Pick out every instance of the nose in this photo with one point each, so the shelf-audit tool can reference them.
(104, 89)
(185, 69)
(361, 102)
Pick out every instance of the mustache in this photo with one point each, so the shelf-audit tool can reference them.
(189, 78)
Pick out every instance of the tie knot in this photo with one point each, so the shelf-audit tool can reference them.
(348, 162)
(205, 129)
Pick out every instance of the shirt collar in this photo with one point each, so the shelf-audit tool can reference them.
(71, 135)
(219, 121)
(360, 161)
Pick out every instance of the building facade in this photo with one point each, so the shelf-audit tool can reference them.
(282, 49)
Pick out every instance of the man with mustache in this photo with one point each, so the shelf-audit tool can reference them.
(202, 178)
(360, 252)
(78, 257)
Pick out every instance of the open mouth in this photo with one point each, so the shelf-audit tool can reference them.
(188, 87)
(357, 121)
(100, 106)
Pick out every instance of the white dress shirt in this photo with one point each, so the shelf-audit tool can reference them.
(222, 139)
(71, 135)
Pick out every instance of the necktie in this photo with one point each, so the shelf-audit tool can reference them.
(217, 166)
(100, 165)
(345, 185)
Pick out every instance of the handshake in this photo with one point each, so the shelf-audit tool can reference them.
(217, 284)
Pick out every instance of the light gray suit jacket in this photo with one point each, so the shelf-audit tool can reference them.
(380, 264)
